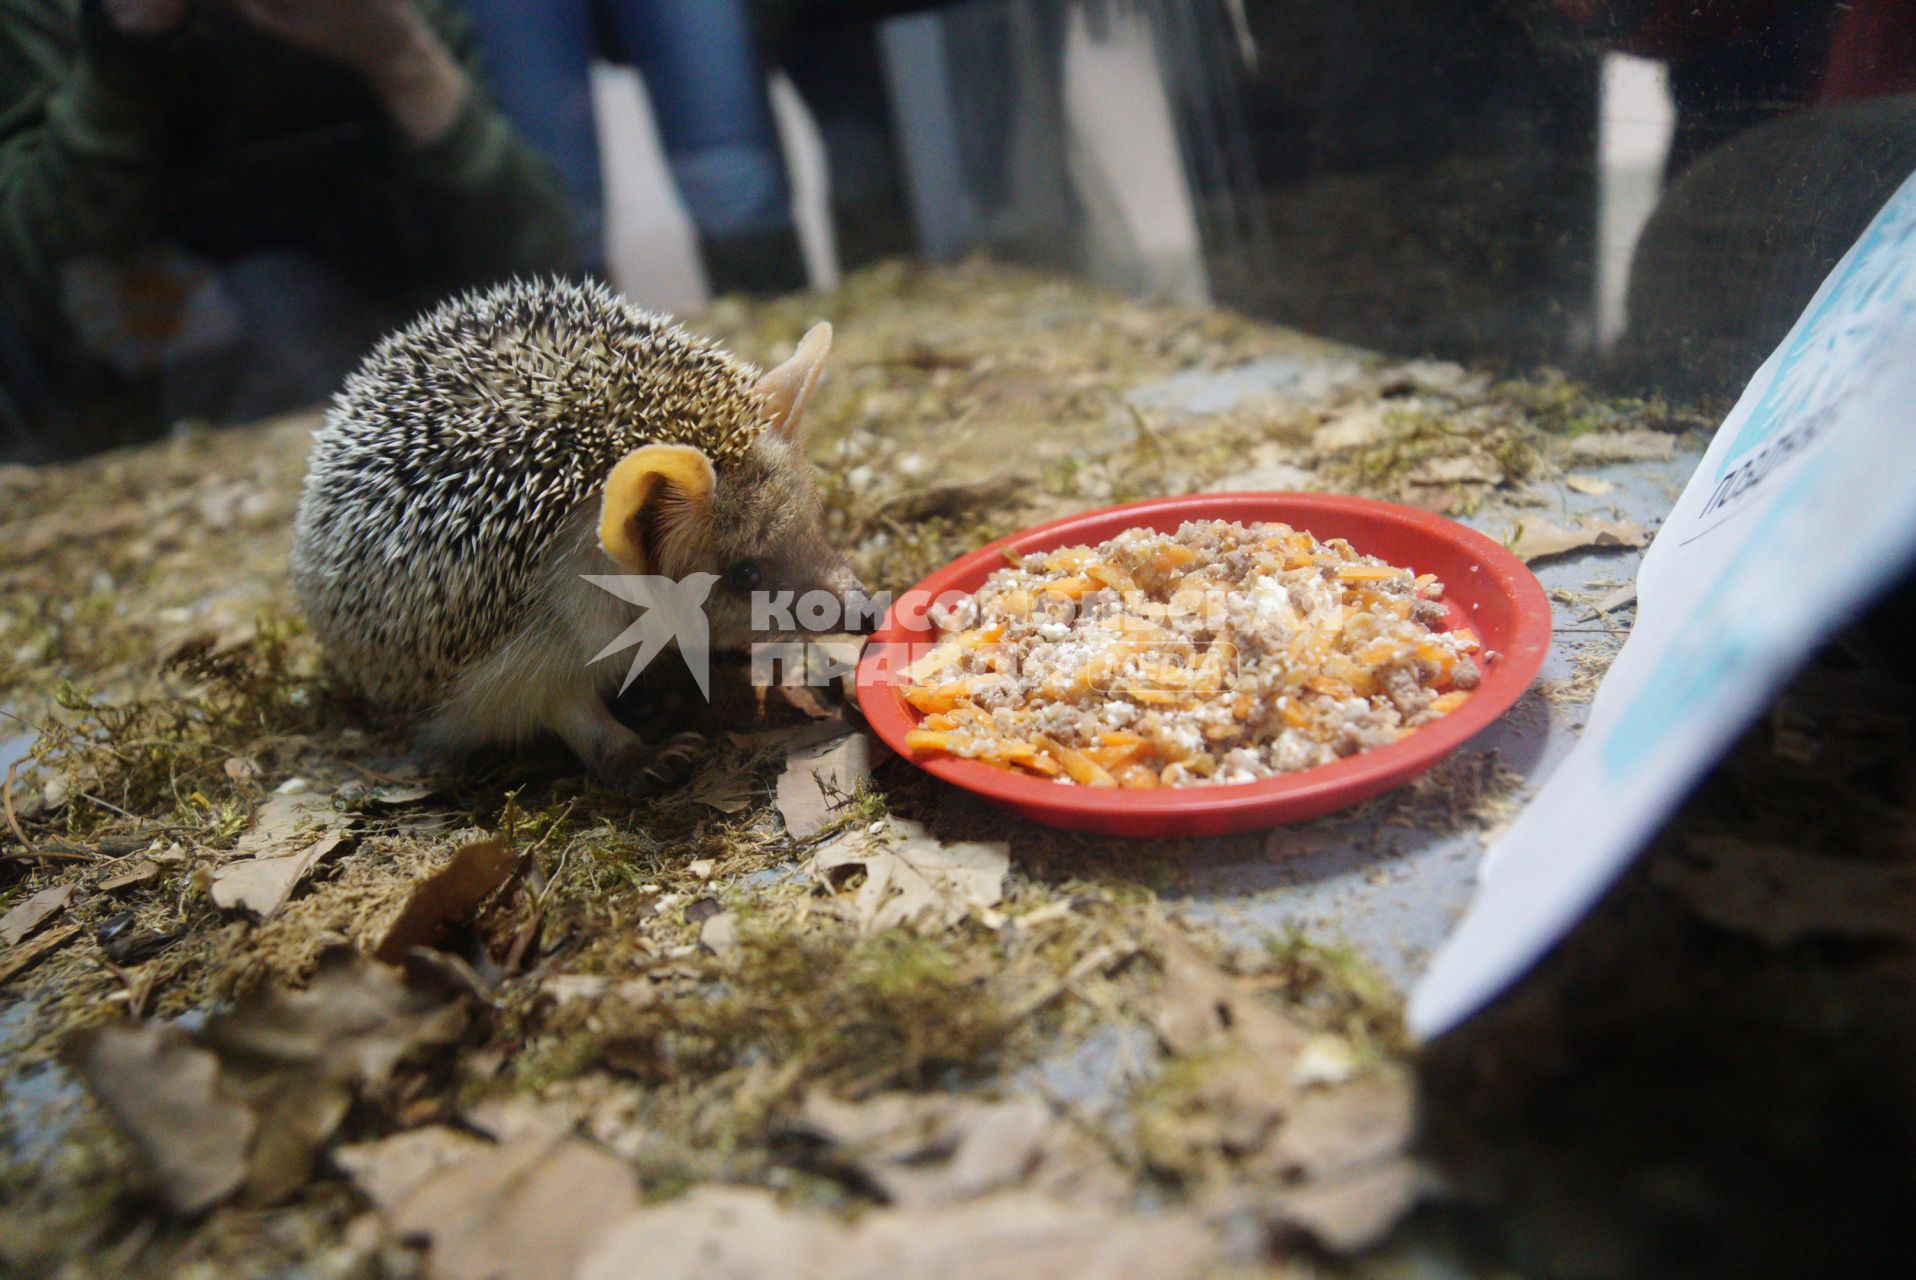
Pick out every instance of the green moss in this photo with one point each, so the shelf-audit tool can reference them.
(1336, 990)
(826, 1008)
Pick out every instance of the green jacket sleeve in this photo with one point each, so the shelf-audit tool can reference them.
(492, 203)
(496, 203)
(79, 161)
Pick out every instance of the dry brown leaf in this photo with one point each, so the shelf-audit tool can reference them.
(717, 1233)
(805, 700)
(728, 792)
(1535, 539)
(449, 896)
(720, 932)
(1329, 1130)
(792, 737)
(1244, 1052)
(290, 836)
(262, 885)
(1780, 897)
(1353, 1212)
(931, 1149)
(284, 821)
(289, 1062)
(1200, 1007)
(355, 1020)
(912, 877)
(1637, 444)
(1277, 477)
(724, 1233)
(531, 1208)
(818, 780)
(146, 870)
(1356, 428)
(163, 1091)
(387, 1170)
(1463, 468)
(27, 916)
(298, 1057)
(17, 960)
(511, 1116)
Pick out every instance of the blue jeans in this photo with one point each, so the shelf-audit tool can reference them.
(708, 96)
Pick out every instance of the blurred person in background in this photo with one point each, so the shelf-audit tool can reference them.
(1795, 122)
(831, 51)
(709, 98)
(210, 207)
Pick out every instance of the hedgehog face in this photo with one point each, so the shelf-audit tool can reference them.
(758, 524)
(767, 543)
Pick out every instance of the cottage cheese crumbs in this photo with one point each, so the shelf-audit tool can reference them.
(1217, 654)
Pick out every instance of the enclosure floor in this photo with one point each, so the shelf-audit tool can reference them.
(687, 1039)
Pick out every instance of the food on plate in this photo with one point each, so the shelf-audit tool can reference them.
(1218, 653)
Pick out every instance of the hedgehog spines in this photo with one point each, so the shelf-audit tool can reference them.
(453, 456)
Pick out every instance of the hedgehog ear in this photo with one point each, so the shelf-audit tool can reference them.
(784, 390)
(654, 493)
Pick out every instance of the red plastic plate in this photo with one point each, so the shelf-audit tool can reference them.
(1486, 588)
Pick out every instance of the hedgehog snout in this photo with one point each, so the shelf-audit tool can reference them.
(859, 611)
(863, 611)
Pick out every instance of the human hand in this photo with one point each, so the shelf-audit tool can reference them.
(386, 41)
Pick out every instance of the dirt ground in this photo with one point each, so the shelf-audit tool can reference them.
(276, 1000)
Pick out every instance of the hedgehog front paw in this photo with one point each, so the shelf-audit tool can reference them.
(639, 769)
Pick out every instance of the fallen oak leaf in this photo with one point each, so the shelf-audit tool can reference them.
(1463, 468)
(719, 933)
(299, 1057)
(528, 1208)
(290, 1061)
(284, 819)
(397, 795)
(163, 1091)
(144, 873)
(726, 792)
(29, 915)
(265, 884)
(449, 896)
(1535, 539)
(1330, 1130)
(923, 1150)
(1351, 1212)
(1634, 445)
(911, 876)
(793, 737)
(721, 1233)
(19, 959)
(291, 834)
(1591, 486)
(1200, 1007)
(818, 781)
(388, 1169)
(1239, 1051)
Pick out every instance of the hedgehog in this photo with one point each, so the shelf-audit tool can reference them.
(483, 462)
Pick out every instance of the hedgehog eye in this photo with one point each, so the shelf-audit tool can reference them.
(745, 576)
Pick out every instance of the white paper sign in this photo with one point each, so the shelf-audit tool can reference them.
(1803, 508)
